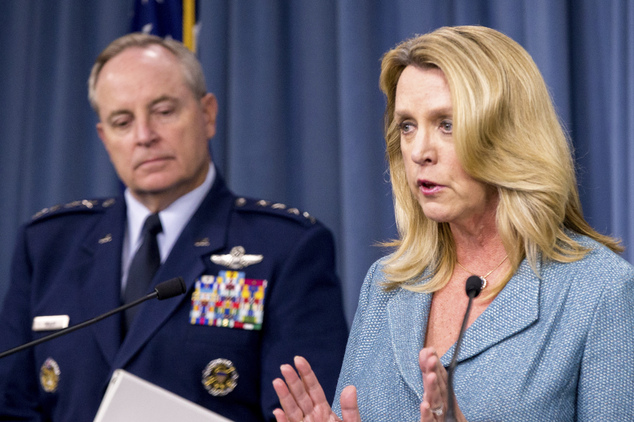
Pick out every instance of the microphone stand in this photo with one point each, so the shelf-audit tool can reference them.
(164, 290)
(473, 288)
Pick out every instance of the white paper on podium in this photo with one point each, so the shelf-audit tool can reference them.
(130, 398)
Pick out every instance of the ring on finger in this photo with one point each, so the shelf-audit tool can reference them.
(437, 411)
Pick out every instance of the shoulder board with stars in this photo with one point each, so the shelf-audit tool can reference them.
(75, 206)
(275, 208)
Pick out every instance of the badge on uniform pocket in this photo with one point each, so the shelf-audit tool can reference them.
(49, 375)
(220, 377)
(228, 300)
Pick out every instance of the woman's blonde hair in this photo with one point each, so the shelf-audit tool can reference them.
(507, 135)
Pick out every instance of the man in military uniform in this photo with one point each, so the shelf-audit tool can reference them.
(261, 284)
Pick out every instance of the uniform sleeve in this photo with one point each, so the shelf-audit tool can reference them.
(606, 379)
(304, 316)
(18, 378)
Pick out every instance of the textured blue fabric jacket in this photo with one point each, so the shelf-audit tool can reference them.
(68, 262)
(559, 348)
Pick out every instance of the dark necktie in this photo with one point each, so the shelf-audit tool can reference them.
(143, 267)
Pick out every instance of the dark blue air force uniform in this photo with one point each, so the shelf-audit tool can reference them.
(68, 262)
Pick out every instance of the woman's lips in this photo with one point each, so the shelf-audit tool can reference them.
(429, 188)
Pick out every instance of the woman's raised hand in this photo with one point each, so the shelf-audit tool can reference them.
(303, 399)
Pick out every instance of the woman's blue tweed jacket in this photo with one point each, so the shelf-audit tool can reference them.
(555, 348)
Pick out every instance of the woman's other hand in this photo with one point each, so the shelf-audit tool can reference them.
(436, 398)
(303, 399)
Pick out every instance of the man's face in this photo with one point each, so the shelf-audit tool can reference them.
(153, 127)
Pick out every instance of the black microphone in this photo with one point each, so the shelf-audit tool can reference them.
(164, 290)
(473, 288)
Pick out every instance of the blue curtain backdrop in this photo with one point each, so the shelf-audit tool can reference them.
(300, 110)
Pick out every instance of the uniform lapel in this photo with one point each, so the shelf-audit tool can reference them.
(205, 233)
(101, 267)
(514, 309)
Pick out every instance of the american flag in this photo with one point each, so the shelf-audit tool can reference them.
(167, 18)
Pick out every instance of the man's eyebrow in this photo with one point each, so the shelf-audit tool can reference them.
(116, 113)
(160, 99)
(164, 98)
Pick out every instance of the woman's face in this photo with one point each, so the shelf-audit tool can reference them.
(424, 113)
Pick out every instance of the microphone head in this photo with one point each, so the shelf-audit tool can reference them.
(170, 288)
(473, 286)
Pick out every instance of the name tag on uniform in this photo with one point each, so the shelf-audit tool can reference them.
(50, 322)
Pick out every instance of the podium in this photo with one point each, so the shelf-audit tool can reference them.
(133, 399)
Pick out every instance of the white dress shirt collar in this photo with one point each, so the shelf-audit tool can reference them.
(173, 219)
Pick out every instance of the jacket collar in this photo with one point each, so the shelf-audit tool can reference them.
(408, 313)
